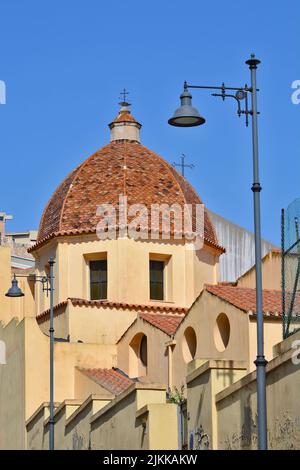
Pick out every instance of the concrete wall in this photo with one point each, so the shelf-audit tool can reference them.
(62, 439)
(78, 427)
(272, 336)
(139, 418)
(36, 438)
(202, 385)
(124, 424)
(222, 402)
(24, 380)
(12, 387)
(271, 273)
(72, 424)
(237, 413)
(160, 425)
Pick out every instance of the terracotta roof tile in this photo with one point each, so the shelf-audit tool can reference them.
(145, 308)
(58, 309)
(166, 323)
(121, 167)
(112, 380)
(244, 298)
(124, 117)
(128, 306)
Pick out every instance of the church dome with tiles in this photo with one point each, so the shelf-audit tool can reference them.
(123, 167)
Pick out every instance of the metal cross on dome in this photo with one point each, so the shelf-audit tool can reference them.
(124, 101)
(183, 165)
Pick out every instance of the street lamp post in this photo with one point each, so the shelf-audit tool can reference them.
(48, 286)
(187, 116)
(51, 332)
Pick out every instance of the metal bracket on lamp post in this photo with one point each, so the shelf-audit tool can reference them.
(240, 95)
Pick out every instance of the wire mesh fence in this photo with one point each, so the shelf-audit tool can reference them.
(290, 272)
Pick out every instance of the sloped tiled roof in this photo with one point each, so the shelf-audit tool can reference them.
(244, 298)
(119, 168)
(110, 379)
(166, 323)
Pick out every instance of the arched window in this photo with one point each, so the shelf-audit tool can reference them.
(138, 355)
(189, 344)
(222, 332)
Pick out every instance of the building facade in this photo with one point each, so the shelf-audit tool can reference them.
(137, 309)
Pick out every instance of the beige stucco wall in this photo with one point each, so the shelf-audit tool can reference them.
(24, 380)
(237, 406)
(202, 318)
(119, 425)
(78, 427)
(12, 387)
(66, 357)
(271, 273)
(157, 367)
(161, 426)
(85, 387)
(61, 322)
(61, 415)
(106, 325)
(90, 324)
(155, 423)
(35, 428)
(128, 269)
(272, 336)
(242, 343)
(72, 424)
(207, 379)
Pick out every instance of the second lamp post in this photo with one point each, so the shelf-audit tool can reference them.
(48, 286)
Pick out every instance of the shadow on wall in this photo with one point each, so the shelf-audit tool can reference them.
(138, 356)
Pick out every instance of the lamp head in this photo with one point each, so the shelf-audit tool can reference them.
(14, 290)
(186, 115)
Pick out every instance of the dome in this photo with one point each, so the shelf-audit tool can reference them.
(123, 167)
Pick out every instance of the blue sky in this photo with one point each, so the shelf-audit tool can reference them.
(65, 62)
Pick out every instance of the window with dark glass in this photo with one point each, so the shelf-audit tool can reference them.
(157, 280)
(98, 279)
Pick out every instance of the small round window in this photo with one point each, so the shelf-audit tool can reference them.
(189, 344)
(143, 350)
(222, 332)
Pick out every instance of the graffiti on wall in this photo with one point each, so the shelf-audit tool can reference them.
(199, 440)
(285, 434)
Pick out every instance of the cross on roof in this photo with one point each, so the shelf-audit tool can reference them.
(182, 164)
(123, 94)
